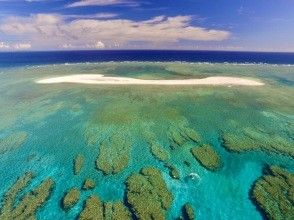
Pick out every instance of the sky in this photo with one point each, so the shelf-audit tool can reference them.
(234, 25)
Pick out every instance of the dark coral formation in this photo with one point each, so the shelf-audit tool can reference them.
(12, 141)
(147, 194)
(207, 157)
(257, 139)
(29, 203)
(159, 153)
(187, 163)
(179, 136)
(78, 163)
(188, 212)
(89, 184)
(71, 198)
(173, 172)
(274, 193)
(94, 209)
(114, 154)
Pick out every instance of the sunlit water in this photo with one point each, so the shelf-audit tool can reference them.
(62, 120)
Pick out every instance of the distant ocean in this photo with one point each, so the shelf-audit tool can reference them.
(8, 59)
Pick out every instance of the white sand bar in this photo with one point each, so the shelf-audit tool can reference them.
(105, 80)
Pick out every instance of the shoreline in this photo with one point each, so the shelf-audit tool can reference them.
(100, 79)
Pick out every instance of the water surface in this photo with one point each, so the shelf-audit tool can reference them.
(63, 120)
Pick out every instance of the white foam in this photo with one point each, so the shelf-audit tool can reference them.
(163, 62)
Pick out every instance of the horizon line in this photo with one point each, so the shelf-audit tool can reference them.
(177, 50)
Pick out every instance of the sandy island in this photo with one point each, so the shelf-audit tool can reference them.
(105, 80)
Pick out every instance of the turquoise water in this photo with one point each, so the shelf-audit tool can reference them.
(63, 120)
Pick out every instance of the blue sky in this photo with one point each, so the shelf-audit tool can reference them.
(250, 25)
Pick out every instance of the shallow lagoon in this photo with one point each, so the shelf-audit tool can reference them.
(63, 120)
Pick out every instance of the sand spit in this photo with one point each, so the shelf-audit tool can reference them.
(105, 80)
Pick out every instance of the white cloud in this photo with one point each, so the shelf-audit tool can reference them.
(4, 46)
(51, 31)
(17, 46)
(83, 3)
(99, 45)
(67, 46)
(22, 46)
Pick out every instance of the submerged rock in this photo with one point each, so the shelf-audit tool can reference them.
(257, 139)
(147, 194)
(274, 193)
(12, 141)
(187, 163)
(89, 184)
(71, 198)
(27, 206)
(188, 212)
(114, 154)
(78, 163)
(207, 157)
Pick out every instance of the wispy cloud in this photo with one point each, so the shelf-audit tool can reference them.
(91, 16)
(83, 3)
(35, 0)
(242, 10)
(52, 30)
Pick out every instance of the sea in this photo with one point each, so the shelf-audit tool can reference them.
(60, 57)
(43, 127)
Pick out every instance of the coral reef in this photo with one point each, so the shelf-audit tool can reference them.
(114, 154)
(12, 141)
(173, 172)
(274, 193)
(118, 118)
(192, 134)
(94, 209)
(78, 163)
(156, 149)
(207, 157)
(258, 139)
(188, 212)
(148, 135)
(178, 136)
(70, 198)
(116, 211)
(159, 153)
(27, 206)
(89, 184)
(147, 194)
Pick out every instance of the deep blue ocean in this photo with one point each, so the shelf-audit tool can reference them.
(8, 59)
